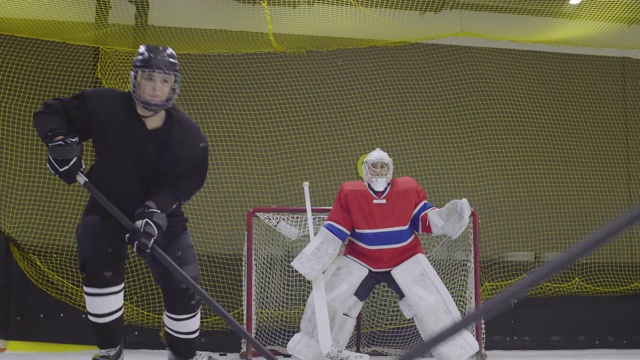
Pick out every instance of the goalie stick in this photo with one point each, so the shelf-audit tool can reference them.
(319, 296)
(320, 301)
(175, 269)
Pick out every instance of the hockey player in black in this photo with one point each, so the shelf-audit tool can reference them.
(150, 159)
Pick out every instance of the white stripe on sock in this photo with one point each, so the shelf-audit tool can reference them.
(103, 301)
(183, 326)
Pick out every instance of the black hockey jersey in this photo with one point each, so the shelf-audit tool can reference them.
(133, 164)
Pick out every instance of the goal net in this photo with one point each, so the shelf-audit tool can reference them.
(276, 294)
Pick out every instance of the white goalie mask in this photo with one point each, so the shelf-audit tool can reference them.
(377, 169)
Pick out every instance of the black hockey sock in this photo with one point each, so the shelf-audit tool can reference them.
(109, 335)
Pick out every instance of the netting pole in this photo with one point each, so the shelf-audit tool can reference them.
(520, 288)
(175, 269)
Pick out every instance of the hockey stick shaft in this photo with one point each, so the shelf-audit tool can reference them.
(503, 300)
(175, 269)
(319, 295)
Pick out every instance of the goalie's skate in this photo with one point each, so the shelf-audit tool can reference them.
(115, 353)
(341, 354)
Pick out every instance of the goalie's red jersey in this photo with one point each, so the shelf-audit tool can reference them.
(381, 231)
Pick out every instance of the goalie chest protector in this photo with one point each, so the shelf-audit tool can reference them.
(380, 230)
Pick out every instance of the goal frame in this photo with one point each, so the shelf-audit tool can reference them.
(248, 352)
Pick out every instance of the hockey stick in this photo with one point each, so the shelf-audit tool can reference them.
(320, 300)
(319, 296)
(175, 269)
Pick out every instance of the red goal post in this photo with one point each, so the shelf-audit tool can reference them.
(275, 294)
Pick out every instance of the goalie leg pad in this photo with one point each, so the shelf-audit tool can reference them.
(432, 307)
(342, 305)
(407, 310)
(343, 324)
(304, 347)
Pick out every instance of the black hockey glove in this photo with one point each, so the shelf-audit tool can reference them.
(150, 224)
(65, 158)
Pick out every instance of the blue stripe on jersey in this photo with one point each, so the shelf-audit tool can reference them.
(383, 237)
(336, 230)
(417, 214)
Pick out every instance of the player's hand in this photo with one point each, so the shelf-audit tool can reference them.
(65, 157)
(150, 224)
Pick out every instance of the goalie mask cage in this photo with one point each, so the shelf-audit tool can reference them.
(276, 294)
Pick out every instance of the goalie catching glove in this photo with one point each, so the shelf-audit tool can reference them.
(451, 220)
(65, 156)
(149, 224)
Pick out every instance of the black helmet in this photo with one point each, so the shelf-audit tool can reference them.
(155, 58)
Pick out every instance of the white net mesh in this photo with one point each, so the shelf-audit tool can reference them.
(276, 293)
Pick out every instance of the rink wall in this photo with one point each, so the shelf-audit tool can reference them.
(570, 322)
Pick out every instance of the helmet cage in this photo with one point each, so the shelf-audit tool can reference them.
(371, 175)
(151, 106)
(158, 59)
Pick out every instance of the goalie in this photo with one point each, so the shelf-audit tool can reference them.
(379, 220)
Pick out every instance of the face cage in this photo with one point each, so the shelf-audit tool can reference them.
(377, 180)
(149, 106)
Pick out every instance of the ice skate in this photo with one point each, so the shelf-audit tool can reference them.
(115, 353)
